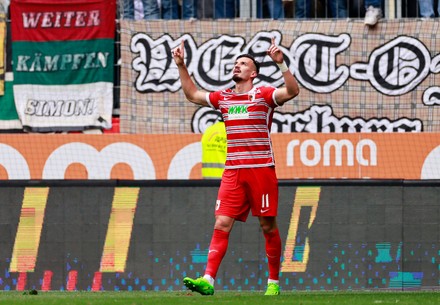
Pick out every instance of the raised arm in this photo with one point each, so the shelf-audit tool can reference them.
(190, 90)
(291, 89)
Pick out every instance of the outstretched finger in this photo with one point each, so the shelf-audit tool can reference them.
(272, 49)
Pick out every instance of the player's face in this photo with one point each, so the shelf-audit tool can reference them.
(244, 70)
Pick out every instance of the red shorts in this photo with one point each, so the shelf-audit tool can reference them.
(245, 189)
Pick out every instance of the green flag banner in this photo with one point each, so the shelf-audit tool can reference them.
(63, 63)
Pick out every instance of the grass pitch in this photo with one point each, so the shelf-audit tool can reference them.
(221, 298)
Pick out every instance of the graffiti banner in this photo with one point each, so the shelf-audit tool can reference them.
(63, 63)
(352, 78)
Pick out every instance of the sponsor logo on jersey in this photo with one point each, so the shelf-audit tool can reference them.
(238, 112)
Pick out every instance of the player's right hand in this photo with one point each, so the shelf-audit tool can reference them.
(179, 53)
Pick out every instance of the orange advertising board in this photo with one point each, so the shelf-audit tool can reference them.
(178, 156)
(357, 155)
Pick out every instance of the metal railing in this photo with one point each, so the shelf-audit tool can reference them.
(252, 9)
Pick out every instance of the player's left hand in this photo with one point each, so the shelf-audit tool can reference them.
(275, 53)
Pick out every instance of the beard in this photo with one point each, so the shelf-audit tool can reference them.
(236, 78)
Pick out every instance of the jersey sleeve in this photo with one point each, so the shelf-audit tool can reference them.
(269, 95)
(213, 99)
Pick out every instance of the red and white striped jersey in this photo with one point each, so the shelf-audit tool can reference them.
(248, 118)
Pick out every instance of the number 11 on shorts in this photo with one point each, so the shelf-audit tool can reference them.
(264, 203)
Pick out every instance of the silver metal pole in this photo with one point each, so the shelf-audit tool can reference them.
(398, 9)
(248, 8)
(391, 10)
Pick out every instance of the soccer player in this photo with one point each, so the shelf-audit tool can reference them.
(249, 182)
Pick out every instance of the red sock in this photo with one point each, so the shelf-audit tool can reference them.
(217, 250)
(273, 253)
